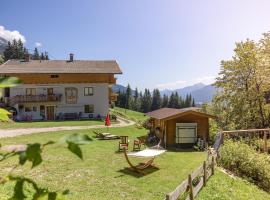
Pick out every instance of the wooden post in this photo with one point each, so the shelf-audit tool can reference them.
(265, 142)
(204, 173)
(190, 187)
(213, 165)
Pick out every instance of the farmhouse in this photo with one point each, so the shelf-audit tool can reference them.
(60, 89)
(181, 127)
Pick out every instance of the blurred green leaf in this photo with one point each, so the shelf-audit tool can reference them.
(77, 139)
(74, 148)
(4, 115)
(32, 154)
(9, 82)
(18, 190)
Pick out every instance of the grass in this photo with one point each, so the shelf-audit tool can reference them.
(223, 187)
(44, 124)
(103, 173)
(130, 114)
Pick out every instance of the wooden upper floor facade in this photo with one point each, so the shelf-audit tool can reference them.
(61, 71)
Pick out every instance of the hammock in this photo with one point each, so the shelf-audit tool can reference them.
(146, 153)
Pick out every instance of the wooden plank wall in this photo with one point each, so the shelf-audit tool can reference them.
(66, 78)
(202, 126)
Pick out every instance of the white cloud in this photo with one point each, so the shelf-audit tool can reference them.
(171, 85)
(38, 44)
(206, 79)
(10, 35)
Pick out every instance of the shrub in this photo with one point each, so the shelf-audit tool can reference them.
(245, 161)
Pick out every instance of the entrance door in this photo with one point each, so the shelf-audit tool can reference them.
(50, 112)
(186, 133)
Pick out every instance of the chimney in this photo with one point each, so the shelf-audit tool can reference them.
(27, 57)
(71, 55)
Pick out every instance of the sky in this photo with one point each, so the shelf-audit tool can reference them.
(157, 43)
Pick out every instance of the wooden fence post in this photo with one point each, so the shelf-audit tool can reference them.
(213, 165)
(190, 187)
(204, 173)
(265, 142)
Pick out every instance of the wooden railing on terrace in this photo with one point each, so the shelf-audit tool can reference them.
(34, 98)
(250, 135)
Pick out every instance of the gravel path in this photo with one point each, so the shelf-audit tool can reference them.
(26, 131)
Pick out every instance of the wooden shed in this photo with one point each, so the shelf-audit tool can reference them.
(181, 127)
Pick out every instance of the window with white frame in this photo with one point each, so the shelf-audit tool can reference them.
(88, 91)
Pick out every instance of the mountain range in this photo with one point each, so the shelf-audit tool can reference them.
(200, 92)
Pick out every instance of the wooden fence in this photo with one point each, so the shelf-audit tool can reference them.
(195, 181)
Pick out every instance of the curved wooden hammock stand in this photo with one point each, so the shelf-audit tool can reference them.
(139, 168)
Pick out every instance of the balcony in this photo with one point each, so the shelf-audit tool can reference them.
(113, 97)
(34, 98)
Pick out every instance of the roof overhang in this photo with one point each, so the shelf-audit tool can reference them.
(201, 114)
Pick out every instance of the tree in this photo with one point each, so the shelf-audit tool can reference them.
(1, 59)
(46, 56)
(42, 56)
(128, 97)
(193, 103)
(165, 101)
(156, 100)
(243, 83)
(36, 55)
(146, 101)
(14, 50)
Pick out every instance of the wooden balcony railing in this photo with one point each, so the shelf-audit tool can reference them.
(34, 98)
(113, 97)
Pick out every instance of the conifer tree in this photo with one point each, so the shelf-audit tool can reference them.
(36, 55)
(165, 101)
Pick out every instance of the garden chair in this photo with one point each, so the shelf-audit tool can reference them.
(123, 143)
(138, 143)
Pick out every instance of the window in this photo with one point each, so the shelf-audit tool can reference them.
(54, 76)
(50, 91)
(88, 91)
(71, 95)
(88, 108)
(34, 108)
(27, 109)
(30, 91)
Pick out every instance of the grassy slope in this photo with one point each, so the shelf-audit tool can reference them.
(130, 114)
(102, 174)
(13, 125)
(222, 187)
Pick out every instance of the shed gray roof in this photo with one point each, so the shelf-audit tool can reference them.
(60, 66)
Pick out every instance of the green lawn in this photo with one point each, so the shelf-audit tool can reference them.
(223, 187)
(130, 114)
(43, 124)
(103, 173)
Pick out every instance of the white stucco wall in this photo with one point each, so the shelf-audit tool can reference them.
(99, 98)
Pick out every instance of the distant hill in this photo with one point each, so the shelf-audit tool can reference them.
(117, 87)
(3, 44)
(204, 94)
(200, 92)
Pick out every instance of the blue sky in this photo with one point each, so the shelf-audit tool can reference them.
(158, 43)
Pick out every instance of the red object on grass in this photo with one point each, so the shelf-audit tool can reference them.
(107, 120)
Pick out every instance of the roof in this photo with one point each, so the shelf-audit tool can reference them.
(60, 66)
(165, 113)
